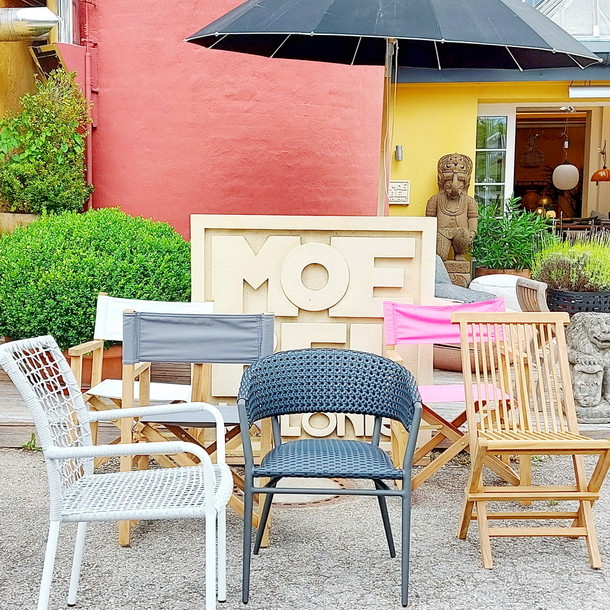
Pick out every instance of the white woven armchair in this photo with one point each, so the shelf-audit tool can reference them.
(47, 384)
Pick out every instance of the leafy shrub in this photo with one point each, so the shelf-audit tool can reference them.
(582, 265)
(509, 238)
(42, 149)
(52, 270)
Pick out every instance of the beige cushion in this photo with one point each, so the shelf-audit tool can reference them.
(501, 285)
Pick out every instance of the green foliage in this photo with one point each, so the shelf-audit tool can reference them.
(42, 149)
(509, 238)
(582, 265)
(52, 270)
(31, 444)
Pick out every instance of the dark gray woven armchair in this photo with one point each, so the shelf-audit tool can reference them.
(329, 381)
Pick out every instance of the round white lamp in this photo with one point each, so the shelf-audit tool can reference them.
(565, 176)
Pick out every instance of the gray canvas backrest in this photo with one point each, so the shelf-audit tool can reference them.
(196, 338)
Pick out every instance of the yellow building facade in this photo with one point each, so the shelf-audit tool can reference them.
(434, 119)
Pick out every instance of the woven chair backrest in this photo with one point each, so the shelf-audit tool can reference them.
(46, 383)
(424, 324)
(197, 338)
(525, 358)
(328, 381)
(109, 313)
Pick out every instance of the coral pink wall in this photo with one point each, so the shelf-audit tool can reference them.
(183, 130)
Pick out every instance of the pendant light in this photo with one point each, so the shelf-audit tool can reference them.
(601, 175)
(566, 175)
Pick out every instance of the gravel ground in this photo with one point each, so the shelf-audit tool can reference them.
(330, 555)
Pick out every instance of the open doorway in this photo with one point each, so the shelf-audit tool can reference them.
(539, 149)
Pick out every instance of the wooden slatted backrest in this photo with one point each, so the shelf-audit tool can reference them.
(524, 357)
(531, 295)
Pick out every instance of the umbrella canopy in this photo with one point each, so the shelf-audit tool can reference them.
(438, 34)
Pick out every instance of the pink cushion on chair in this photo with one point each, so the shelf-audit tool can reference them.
(405, 323)
(450, 392)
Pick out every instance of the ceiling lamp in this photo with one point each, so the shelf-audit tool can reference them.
(566, 175)
(601, 175)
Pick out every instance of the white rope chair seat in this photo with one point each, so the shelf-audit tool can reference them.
(165, 493)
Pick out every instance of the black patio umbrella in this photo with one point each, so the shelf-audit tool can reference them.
(437, 34)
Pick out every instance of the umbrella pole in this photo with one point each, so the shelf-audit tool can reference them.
(387, 128)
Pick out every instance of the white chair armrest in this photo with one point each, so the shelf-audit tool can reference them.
(112, 414)
(92, 451)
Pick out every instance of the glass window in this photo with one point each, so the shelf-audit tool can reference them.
(490, 161)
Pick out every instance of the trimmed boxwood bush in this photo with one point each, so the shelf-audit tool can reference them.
(52, 270)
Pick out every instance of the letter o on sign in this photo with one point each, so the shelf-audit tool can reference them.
(310, 254)
(319, 432)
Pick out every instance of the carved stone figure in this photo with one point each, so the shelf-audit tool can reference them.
(588, 339)
(456, 213)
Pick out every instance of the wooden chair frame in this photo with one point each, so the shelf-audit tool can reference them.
(527, 354)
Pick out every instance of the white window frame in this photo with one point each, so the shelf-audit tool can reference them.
(510, 112)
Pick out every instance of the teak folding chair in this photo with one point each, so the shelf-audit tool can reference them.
(106, 393)
(525, 355)
(329, 381)
(198, 339)
(406, 324)
(531, 294)
(78, 495)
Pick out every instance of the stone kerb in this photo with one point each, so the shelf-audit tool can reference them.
(324, 278)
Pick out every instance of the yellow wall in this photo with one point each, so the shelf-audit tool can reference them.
(436, 119)
(16, 71)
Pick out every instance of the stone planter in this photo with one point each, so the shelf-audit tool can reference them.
(573, 302)
(9, 221)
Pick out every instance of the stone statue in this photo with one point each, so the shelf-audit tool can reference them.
(588, 339)
(456, 213)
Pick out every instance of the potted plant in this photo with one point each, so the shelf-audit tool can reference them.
(42, 150)
(507, 239)
(52, 271)
(577, 273)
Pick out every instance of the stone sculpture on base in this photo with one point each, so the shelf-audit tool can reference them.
(588, 339)
(456, 213)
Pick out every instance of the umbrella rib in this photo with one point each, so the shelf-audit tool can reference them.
(218, 40)
(576, 62)
(514, 59)
(280, 46)
(356, 51)
(438, 58)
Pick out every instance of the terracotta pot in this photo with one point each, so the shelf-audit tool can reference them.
(112, 368)
(479, 271)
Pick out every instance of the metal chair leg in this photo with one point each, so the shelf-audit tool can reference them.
(406, 535)
(222, 555)
(79, 548)
(247, 548)
(49, 563)
(383, 507)
(264, 516)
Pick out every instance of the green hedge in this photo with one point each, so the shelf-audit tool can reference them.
(52, 270)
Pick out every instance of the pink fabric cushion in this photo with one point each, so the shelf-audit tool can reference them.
(404, 323)
(455, 393)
